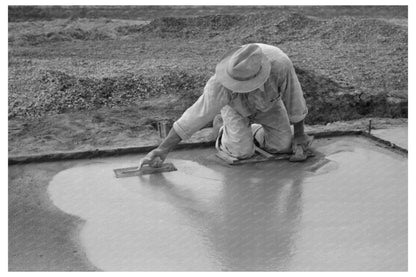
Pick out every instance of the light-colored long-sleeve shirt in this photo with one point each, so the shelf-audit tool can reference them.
(282, 84)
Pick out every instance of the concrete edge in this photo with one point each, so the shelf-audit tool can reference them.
(386, 143)
(100, 153)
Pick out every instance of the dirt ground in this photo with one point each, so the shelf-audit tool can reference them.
(111, 129)
(87, 78)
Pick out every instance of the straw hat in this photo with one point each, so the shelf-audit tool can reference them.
(243, 69)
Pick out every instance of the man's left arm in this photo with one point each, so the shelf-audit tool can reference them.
(292, 96)
(299, 136)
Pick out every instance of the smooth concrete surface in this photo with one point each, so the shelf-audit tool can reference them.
(398, 135)
(41, 237)
(343, 210)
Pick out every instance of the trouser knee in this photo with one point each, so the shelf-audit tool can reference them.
(241, 149)
(271, 142)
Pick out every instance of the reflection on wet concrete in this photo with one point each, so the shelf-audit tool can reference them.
(346, 209)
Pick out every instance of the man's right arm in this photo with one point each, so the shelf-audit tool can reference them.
(193, 119)
(156, 157)
(203, 111)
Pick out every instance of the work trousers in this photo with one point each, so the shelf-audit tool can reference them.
(270, 130)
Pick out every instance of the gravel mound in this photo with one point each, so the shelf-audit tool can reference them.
(271, 27)
(190, 27)
(59, 92)
(274, 27)
(351, 30)
(327, 100)
(367, 75)
(64, 35)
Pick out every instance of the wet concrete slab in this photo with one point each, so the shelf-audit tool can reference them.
(398, 135)
(40, 236)
(343, 210)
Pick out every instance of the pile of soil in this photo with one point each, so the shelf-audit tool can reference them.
(35, 13)
(349, 68)
(66, 35)
(327, 100)
(276, 27)
(59, 92)
(330, 97)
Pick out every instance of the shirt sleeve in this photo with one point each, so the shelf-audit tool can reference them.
(208, 105)
(292, 96)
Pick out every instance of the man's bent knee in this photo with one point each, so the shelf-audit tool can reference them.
(241, 148)
(276, 144)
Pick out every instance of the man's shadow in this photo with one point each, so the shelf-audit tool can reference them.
(252, 224)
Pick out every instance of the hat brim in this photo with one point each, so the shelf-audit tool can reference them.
(241, 86)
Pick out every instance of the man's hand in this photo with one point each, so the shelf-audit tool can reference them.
(300, 147)
(154, 158)
(303, 141)
(300, 143)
